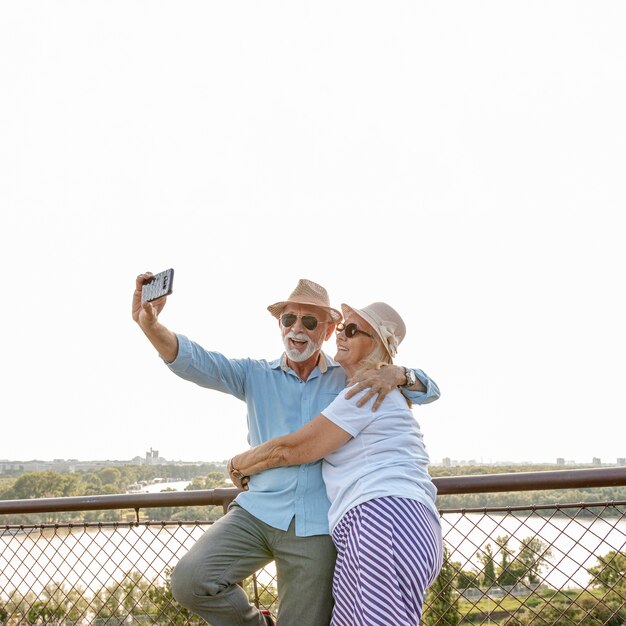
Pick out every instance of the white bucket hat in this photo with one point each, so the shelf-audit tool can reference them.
(385, 320)
(307, 292)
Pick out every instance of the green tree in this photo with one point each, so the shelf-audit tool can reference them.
(586, 612)
(205, 513)
(5, 484)
(77, 604)
(546, 614)
(58, 599)
(121, 599)
(610, 612)
(507, 575)
(4, 615)
(610, 573)
(110, 476)
(467, 579)
(442, 599)
(532, 558)
(55, 601)
(45, 612)
(91, 484)
(17, 606)
(43, 485)
(166, 609)
(212, 480)
(486, 558)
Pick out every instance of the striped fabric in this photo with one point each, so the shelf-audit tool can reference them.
(389, 550)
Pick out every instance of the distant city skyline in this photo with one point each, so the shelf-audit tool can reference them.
(151, 457)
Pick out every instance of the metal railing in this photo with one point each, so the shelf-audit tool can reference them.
(515, 565)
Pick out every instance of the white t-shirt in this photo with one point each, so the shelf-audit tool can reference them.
(385, 457)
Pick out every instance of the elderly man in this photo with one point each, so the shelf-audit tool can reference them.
(283, 515)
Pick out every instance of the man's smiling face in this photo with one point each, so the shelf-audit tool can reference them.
(301, 342)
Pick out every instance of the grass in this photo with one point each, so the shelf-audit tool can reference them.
(497, 610)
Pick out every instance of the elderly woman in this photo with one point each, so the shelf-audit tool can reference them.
(383, 517)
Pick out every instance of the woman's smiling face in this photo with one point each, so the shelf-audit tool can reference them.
(351, 351)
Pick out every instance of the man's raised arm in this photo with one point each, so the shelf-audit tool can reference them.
(146, 314)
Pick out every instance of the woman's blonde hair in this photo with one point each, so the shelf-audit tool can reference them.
(376, 359)
(377, 356)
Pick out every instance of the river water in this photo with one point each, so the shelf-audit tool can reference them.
(92, 557)
(178, 485)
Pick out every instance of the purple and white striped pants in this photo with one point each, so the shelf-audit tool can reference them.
(389, 550)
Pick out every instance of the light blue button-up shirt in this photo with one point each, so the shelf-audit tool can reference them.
(279, 402)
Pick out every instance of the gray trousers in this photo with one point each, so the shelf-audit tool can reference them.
(238, 544)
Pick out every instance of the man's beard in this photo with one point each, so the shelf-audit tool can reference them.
(299, 357)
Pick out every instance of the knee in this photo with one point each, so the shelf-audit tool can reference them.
(179, 583)
(184, 583)
(188, 589)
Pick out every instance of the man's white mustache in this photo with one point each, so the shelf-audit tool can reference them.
(298, 336)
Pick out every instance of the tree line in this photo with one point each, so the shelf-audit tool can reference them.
(107, 481)
(115, 480)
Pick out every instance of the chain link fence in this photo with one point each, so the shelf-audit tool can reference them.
(537, 565)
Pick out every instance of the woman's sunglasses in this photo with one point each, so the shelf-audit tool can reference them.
(308, 321)
(351, 329)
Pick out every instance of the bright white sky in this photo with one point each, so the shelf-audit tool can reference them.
(463, 161)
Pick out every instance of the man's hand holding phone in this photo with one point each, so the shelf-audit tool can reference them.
(149, 298)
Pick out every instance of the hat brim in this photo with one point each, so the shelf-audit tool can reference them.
(278, 307)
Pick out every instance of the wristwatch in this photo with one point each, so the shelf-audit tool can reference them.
(410, 377)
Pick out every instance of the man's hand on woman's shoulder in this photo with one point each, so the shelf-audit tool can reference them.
(379, 381)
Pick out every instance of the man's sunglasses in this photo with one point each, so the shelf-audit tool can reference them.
(351, 329)
(308, 321)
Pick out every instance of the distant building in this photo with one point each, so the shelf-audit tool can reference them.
(560, 461)
(621, 461)
(596, 461)
(446, 461)
(10, 466)
(152, 457)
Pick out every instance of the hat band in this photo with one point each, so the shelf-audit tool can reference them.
(389, 338)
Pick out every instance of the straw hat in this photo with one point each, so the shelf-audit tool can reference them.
(306, 292)
(385, 320)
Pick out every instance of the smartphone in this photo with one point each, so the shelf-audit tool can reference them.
(159, 286)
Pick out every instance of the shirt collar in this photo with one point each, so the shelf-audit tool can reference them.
(323, 363)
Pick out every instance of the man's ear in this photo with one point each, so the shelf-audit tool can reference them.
(329, 331)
